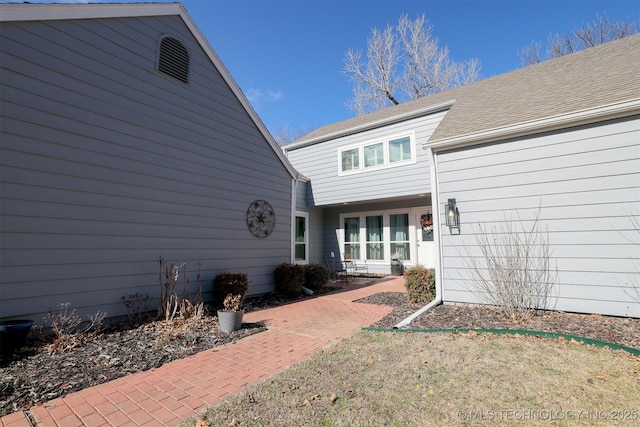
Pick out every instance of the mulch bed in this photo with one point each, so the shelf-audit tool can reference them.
(34, 374)
(618, 330)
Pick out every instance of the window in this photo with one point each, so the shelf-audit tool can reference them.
(173, 59)
(379, 236)
(400, 150)
(350, 160)
(352, 238)
(375, 237)
(399, 239)
(301, 239)
(373, 155)
(392, 152)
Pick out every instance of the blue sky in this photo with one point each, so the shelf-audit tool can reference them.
(287, 55)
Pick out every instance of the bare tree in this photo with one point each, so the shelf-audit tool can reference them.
(403, 63)
(284, 134)
(601, 30)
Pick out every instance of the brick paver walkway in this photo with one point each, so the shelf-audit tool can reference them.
(178, 390)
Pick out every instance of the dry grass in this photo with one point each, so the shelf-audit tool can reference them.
(404, 379)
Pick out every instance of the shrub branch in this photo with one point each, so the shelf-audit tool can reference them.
(514, 271)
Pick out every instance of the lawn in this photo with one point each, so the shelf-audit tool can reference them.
(410, 379)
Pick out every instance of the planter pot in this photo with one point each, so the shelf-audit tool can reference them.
(397, 268)
(13, 334)
(230, 320)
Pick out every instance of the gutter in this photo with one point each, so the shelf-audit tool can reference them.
(435, 210)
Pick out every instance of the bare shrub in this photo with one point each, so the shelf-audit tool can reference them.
(137, 309)
(171, 305)
(69, 330)
(634, 284)
(514, 272)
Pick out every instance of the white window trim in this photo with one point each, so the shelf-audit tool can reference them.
(385, 144)
(305, 215)
(386, 233)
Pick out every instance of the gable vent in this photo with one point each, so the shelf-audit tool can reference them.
(173, 59)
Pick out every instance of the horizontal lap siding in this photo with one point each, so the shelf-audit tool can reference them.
(320, 163)
(586, 182)
(315, 238)
(107, 164)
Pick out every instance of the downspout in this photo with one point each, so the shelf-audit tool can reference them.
(435, 210)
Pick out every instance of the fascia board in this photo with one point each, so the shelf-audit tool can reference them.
(577, 118)
(13, 12)
(374, 125)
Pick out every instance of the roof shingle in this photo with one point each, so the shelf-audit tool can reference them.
(592, 78)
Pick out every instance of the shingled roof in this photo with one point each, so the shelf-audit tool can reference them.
(601, 76)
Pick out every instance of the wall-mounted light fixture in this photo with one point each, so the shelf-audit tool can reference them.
(453, 216)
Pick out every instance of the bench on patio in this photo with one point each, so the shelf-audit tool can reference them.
(352, 267)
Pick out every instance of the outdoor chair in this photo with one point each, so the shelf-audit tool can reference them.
(352, 267)
(336, 268)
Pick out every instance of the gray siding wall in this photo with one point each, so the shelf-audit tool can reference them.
(320, 163)
(315, 218)
(586, 181)
(106, 165)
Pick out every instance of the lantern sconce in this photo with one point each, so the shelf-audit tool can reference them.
(453, 215)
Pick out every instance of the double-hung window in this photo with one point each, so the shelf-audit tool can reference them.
(399, 238)
(390, 152)
(300, 245)
(375, 237)
(352, 238)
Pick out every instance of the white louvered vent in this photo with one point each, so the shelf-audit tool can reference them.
(173, 59)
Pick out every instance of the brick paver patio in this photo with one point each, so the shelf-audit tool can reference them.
(178, 390)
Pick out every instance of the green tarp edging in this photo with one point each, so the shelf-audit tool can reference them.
(553, 335)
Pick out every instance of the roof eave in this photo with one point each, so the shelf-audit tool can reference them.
(576, 118)
(373, 125)
(13, 12)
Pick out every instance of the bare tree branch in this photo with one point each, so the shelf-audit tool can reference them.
(530, 54)
(403, 63)
(514, 272)
(284, 134)
(601, 30)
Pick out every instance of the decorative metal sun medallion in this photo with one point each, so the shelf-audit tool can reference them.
(261, 218)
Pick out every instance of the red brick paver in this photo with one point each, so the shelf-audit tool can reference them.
(178, 390)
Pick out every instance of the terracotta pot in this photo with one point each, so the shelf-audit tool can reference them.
(230, 320)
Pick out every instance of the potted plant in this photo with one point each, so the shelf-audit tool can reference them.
(230, 317)
(230, 289)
